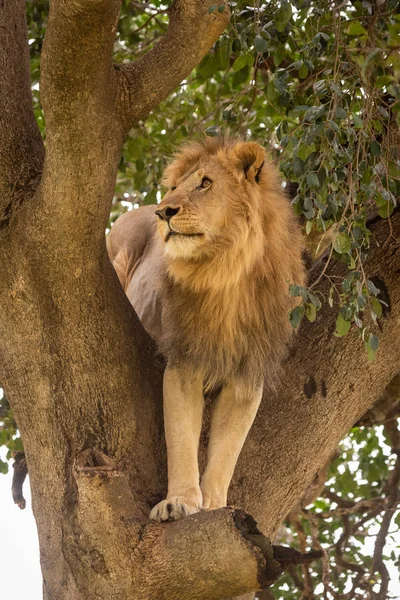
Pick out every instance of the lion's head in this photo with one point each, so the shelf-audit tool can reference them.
(213, 201)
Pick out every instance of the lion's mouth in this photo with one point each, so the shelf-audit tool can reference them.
(172, 233)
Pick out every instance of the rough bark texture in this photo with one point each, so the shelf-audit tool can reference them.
(77, 366)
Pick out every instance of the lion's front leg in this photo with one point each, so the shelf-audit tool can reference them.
(233, 415)
(183, 413)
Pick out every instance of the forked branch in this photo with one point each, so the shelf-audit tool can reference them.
(90, 105)
(146, 82)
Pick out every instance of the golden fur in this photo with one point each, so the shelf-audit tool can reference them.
(212, 287)
(227, 303)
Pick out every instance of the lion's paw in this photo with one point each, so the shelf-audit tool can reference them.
(174, 508)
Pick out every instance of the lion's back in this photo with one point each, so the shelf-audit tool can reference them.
(137, 256)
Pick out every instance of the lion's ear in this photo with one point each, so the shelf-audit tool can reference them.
(249, 159)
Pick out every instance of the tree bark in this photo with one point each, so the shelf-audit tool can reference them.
(21, 147)
(328, 383)
(80, 372)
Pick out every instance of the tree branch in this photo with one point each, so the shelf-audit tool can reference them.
(89, 105)
(225, 543)
(191, 32)
(386, 407)
(83, 132)
(327, 384)
(21, 147)
(76, 62)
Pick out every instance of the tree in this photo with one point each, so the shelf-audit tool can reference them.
(77, 367)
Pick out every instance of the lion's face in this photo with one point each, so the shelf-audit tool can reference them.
(194, 212)
(207, 206)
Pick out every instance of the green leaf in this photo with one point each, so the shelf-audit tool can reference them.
(209, 65)
(383, 80)
(340, 113)
(303, 71)
(373, 342)
(376, 307)
(240, 62)
(296, 316)
(355, 28)
(279, 55)
(260, 44)
(342, 243)
(315, 300)
(283, 15)
(386, 210)
(313, 181)
(311, 312)
(305, 150)
(371, 354)
(298, 290)
(224, 53)
(294, 290)
(308, 204)
(213, 131)
(372, 288)
(358, 122)
(342, 326)
(297, 166)
(346, 312)
(375, 148)
(140, 164)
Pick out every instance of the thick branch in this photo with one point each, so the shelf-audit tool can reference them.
(192, 31)
(83, 132)
(21, 148)
(217, 554)
(76, 73)
(89, 105)
(327, 384)
(387, 406)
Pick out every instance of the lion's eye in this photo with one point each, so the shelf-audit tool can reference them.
(173, 188)
(205, 182)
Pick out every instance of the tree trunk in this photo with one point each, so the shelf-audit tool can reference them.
(81, 373)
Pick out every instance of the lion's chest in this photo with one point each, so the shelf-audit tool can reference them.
(211, 331)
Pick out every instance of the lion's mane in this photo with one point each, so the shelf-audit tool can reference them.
(228, 310)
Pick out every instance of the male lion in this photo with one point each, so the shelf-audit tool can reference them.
(212, 288)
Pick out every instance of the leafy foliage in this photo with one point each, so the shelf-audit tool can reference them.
(316, 82)
(9, 437)
(349, 519)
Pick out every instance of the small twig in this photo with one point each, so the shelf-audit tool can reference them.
(342, 502)
(159, 12)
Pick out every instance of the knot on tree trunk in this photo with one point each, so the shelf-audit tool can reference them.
(93, 462)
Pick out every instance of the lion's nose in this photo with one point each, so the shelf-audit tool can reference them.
(166, 213)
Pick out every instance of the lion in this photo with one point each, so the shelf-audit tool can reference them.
(208, 273)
